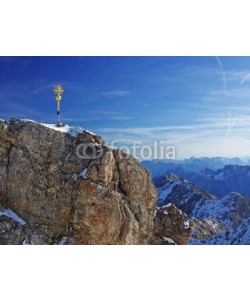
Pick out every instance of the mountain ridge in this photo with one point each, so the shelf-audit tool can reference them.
(229, 212)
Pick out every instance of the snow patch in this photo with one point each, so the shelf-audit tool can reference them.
(26, 243)
(10, 214)
(155, 212)
(67, 157)
(166, 190)
(165, 212)
(84, 173)
(186, 224)
(63, 240)
(165, 206)
(169, 240)
(73, 131)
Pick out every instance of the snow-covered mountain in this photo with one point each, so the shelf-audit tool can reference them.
(182, 193)
(239, 236)
(221, 182)
(231, 211)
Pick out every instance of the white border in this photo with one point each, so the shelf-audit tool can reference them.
(124, 28)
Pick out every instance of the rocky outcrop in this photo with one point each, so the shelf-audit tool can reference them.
(171, 226)
(206, 229)
(105, 197)
(174, 227)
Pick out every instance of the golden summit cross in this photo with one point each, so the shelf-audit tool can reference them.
(58, 90)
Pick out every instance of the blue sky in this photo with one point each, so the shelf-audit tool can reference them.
(199, 105)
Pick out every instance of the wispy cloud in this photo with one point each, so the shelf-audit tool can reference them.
(223, 74)
(245, 78)
(44, 85)
(146, 130)
(171, 133)
(219, 95)
(115, 93)
(121, 118)
(212, 126)
(230, 124)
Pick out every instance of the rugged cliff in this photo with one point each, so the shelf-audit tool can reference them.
(70, 188)
(173, 227)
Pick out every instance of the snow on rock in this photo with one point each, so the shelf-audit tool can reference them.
(155, 212)
(84, 173)
(10, 214)
(170, 241)
(239, 236)
(73, 131)
(63, 240)
(26, 243)
(181, 193)
(67, 157)
(186, 224)
(230, 211)
(166, 190)
(165, 212)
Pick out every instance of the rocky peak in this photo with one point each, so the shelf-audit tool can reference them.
(182, 193)
(65, 182)
(173, 227)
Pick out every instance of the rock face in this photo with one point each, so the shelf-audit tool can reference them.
(11, 233)
(106, 197)
(174, 227)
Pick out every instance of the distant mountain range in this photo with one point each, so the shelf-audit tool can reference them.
(213, 191)
(193, 164)
(219, 181)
